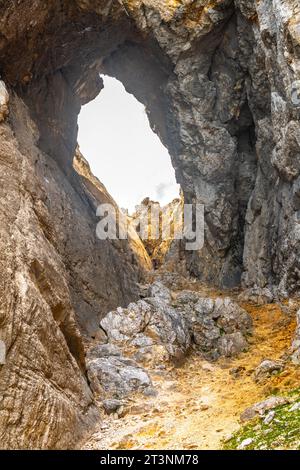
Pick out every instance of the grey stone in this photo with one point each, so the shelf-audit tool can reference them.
(2, 353)
(269, 418)
(245, 443)
(104, 350)
(257, 295)
(260, 408)
(231, 317)
(187, 297)
(160, 292)
(232, 344)
(117, 377)
(123, 324)
(266, 369)
(4, 101)
(112, 405)
(150, 392)
(205, 306)
(295, 407)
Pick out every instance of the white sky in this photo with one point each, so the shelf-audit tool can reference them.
(128, 158)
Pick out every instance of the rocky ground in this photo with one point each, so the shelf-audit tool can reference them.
(204, 404)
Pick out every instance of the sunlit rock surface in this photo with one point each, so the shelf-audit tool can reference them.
(4, 101)
(161, 229)
(57, 281)
(161, 329)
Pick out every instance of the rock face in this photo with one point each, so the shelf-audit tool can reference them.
(296, 342)
(259, 409)
(162, 328)
(162, 228)
(220, 82)
(218, 326)
(133, 248)
(43, 375)
(4, 101)
(266, 369)
(55, 286)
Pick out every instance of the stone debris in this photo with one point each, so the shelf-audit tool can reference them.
(161, 329)
(116, 377)
(218, 326)
(266, 369)
(296, 342)
(260, 408)
(269, 418)
(112, 405)
(245, 443)
(232, 344)
(236, 372)
(257, 295)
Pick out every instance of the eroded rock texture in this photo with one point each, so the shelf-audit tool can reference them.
(162, 329)
(57, 281)
(219, 80)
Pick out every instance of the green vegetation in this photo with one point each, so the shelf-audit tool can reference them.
(283, 432)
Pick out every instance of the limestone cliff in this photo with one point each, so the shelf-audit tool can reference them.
(162, 229)
(57, 281)
(220, 82)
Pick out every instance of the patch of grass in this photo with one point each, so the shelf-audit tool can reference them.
(295, 393)
(282, 433)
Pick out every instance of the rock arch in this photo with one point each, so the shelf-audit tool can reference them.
(188, 75)
(215, 80)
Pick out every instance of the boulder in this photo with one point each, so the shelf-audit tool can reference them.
(260, 408)
(245, 443)
(112, 405)
(218, 326)
(257, 295)
(117, 377)
(162, 327)
(150, 329)
(266, 369)
(232, 344)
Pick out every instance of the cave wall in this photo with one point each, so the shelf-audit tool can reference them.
(216, 78)
(272, 224)
(45, 399)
